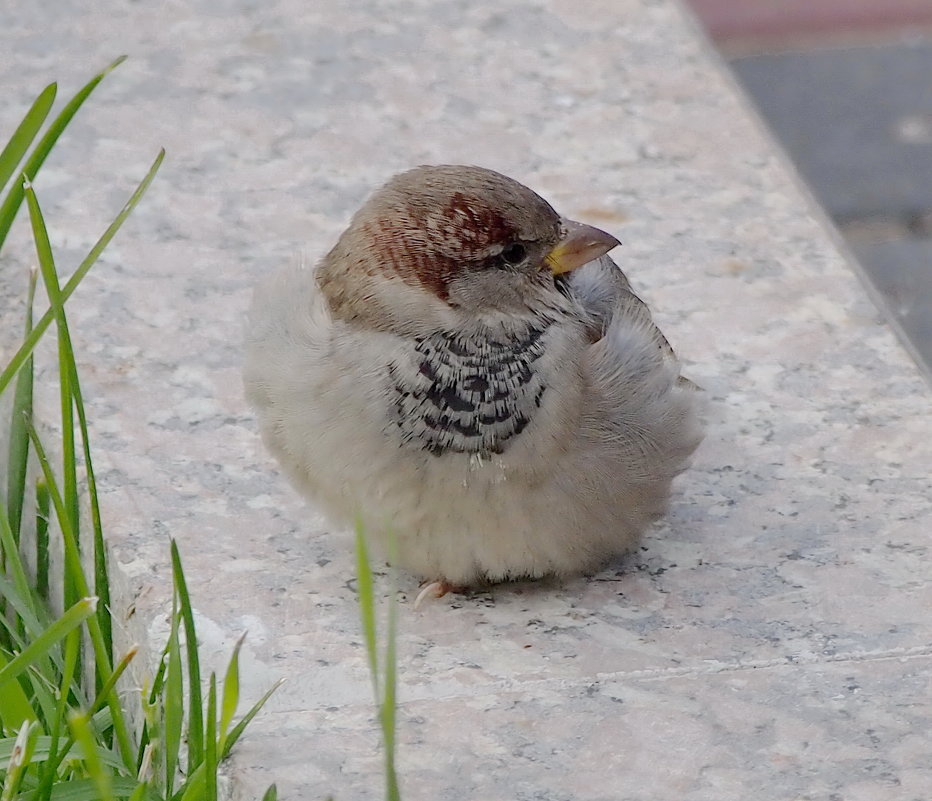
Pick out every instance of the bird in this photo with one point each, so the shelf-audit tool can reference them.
(469, 373)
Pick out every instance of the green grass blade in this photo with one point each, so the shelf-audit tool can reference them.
(158, 683)
(101, 577)
(238, 729)
(18, 458)
(230, 692)
(60, 721)
(195, 787)
(195, 702)
(35, 681)
(25, 133)
(101, 699)
(52, 288)
(102, 718)
(173, 699)
(22, 616)
(74, 580)
(101, 574)
(140, 793)
(60, 718)
(24, 351)
(387, 704)
(43, 510)
(15, 708)
(210, 752)
(388, 710)
(14, 197)
(367, 605)
(18, 592)
(81, 731)
(151, 726)
(78, 613)
(271, 794)
(25, 621)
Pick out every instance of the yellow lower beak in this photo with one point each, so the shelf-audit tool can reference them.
(580, 245)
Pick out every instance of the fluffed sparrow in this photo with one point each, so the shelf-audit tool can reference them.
(443, 375)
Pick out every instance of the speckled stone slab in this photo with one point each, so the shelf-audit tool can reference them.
(771, 640)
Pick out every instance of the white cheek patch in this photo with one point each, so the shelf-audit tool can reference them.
(409, 308)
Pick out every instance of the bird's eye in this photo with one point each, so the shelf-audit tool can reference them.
(514, 253)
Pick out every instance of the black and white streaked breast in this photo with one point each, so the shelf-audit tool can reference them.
(468, 393)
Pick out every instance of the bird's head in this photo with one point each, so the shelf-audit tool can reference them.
(439, 243)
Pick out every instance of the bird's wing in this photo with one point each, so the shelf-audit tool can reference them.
(639, 403)
(605, 293)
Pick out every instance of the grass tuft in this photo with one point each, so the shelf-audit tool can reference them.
(64, 724)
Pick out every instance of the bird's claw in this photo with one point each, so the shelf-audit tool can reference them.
(436, 588)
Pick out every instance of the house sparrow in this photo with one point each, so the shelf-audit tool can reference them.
(468, 370)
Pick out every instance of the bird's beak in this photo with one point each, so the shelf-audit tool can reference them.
(580, 245)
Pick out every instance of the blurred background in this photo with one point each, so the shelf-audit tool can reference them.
(846, 86)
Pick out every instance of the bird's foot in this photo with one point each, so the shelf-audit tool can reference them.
(434, 589)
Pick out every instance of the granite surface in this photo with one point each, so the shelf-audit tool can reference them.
(866, 153)
(772, 639)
